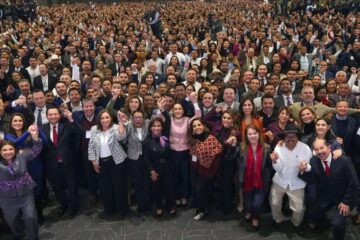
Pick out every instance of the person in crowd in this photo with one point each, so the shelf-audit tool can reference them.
(275, 128)
(229, 137)
(254, 173)
(86, 119)
(19, 135)
(58, 154)
(285, 160)
(156, 152)
(248, 116)
(307, 119)
(179, 146)
(205, 151)
(108, 159)
(335, 184)
(16, 193)
(137, 132)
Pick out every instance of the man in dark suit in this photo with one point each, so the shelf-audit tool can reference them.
(20, 69)
(44, 81)
(286, 98)
(332, 183)
(344, 126)
(58, 152)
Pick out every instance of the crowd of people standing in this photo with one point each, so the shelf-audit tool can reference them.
(227, 105)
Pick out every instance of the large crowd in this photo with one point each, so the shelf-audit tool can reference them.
(227, 105)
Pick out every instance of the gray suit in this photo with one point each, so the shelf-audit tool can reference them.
(133, 141)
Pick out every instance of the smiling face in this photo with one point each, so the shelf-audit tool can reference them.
(321, 149)
(252, 135)
(156, 128)
(178, 111)
(226, 120)
(197, 127)
(17, 123)
(247, 107)
(322, 127)
(134, 104)
(7, 152)
(105, 120)
(307, 116)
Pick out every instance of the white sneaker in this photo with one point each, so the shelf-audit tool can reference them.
(199, 216)
(240, 208)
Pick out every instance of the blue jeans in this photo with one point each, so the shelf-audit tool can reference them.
(254, 202)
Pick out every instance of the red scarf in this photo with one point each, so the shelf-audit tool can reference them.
(253, 177)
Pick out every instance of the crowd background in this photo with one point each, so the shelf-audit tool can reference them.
(132, 94)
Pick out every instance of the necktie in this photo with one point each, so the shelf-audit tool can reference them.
(206, 111)
(55, 141)
(39, 120)
(288, 102)
(327, 169)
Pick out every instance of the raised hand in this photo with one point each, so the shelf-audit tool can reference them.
(122, 117)
(193, 97)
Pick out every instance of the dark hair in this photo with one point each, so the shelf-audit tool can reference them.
(37, 90)
(74, 89)
(6, 142)
(52, 107)
(191, 130)
(11, 130)
(267, 95)
(241, 114)
(153, 121)
(98, 119)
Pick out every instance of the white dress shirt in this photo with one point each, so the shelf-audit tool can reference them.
(104, 144)
(287, 165)
(33, 72)
(44, 119)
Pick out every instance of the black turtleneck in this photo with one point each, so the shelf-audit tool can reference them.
(309, 128)
(202, 137)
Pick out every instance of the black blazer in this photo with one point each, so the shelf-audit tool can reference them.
(342, 184)
(67, 142)
(349, 136)
(39, 85)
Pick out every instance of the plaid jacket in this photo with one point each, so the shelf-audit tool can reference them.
(117, 151)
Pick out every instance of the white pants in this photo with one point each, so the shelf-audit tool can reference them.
(296, 202)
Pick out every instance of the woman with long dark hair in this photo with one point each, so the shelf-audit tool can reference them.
(205, 151)
(17, 187)
(20, 136)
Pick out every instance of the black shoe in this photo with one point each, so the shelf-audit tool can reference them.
(61, 211)
(41, 220)
(93, 201)
(299, 230)
(71, 215)
(275, 225)
(104, 215)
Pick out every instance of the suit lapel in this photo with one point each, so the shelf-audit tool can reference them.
(60, 133)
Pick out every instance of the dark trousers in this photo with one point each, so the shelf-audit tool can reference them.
(91, 176)
(20, 215)
(113, 187)
(164, 186)
(36, 170)
(181, 164)
(193, 176)
(316, 214)
(356, 162)
(141, 179)
(64, 186)
(204, 190)
(254, 202)
(226, 183)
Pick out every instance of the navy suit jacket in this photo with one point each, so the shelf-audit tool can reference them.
(67, 142)
(342, 184)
